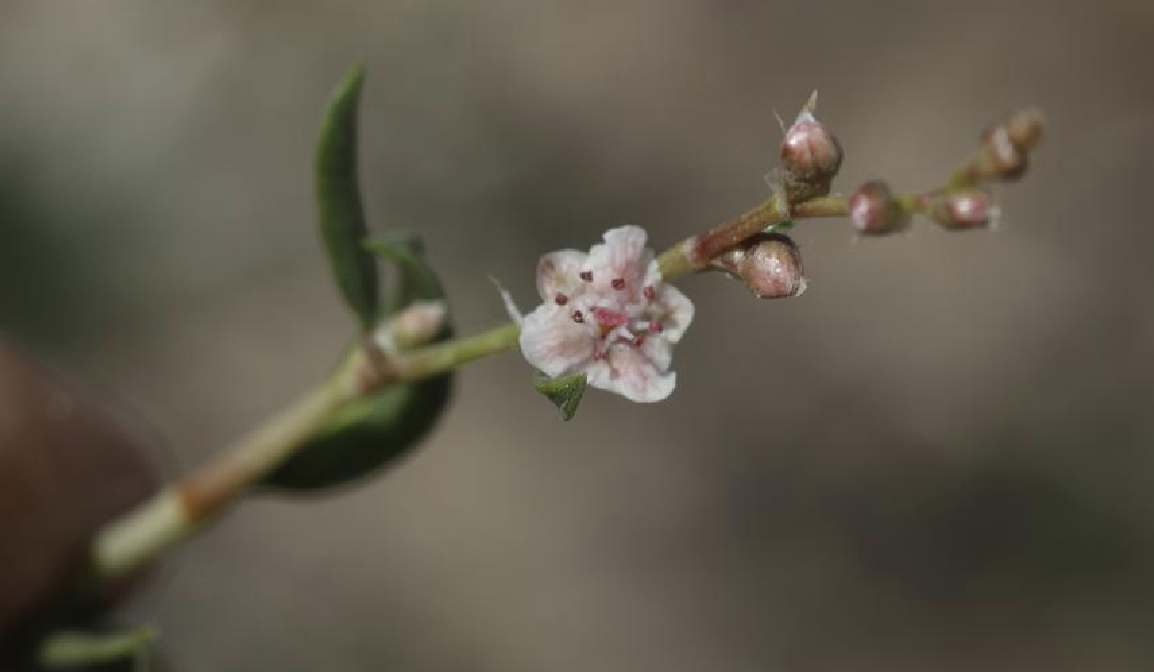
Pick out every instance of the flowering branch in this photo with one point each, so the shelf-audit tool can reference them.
(609, 316)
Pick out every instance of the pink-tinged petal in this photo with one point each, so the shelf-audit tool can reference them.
(652, 276)
(659, 351)
(557, 273)
(554, 343)
(629, 371)
(673, 310)
(618, 265)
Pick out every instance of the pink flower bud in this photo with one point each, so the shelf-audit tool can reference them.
(1005, 148)
(1003, 159)
(810, 157)
(873, 211)
(772, 268)
(962, 210)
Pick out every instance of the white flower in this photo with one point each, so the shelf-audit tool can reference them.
(607, 314)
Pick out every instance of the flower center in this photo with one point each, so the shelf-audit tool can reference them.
(615, 326)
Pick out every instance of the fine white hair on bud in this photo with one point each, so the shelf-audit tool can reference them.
(507, 299)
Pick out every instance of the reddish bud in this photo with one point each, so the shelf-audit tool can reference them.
(1025, 128)
(810, 157)
(1003, 160)
(873, 211)
(771, 267)
(962, 210)
(1004, 154)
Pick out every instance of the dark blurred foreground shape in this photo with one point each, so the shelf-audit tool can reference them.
(65, 468)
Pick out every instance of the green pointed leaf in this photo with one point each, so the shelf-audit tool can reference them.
(342, 217)
(370, 433)
(416, 279)
(70, 649)
(564, 391)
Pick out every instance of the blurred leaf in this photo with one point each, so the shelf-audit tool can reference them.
(72, 649)
(780, 227)
(365, 435)
(417, 281)
(342, 218)
(370, 433)
(48, 235)
(564, 391)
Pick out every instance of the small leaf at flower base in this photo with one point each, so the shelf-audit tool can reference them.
(342, 218)
(780, 227)
(564, 391)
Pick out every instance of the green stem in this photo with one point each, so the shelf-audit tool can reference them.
(822, 206)
(183, 507)
(435, 359)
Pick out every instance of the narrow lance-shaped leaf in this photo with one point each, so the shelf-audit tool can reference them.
(564, 391)
(342, 218)
(416, 279)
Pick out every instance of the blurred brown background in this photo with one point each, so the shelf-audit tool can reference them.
(937, 459)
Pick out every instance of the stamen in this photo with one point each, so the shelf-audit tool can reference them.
(587, 276)
(639, 340)
(561, 299)
(656, 327)
(610, 318)
(649, 292)
(578, 317)
(618, 283)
